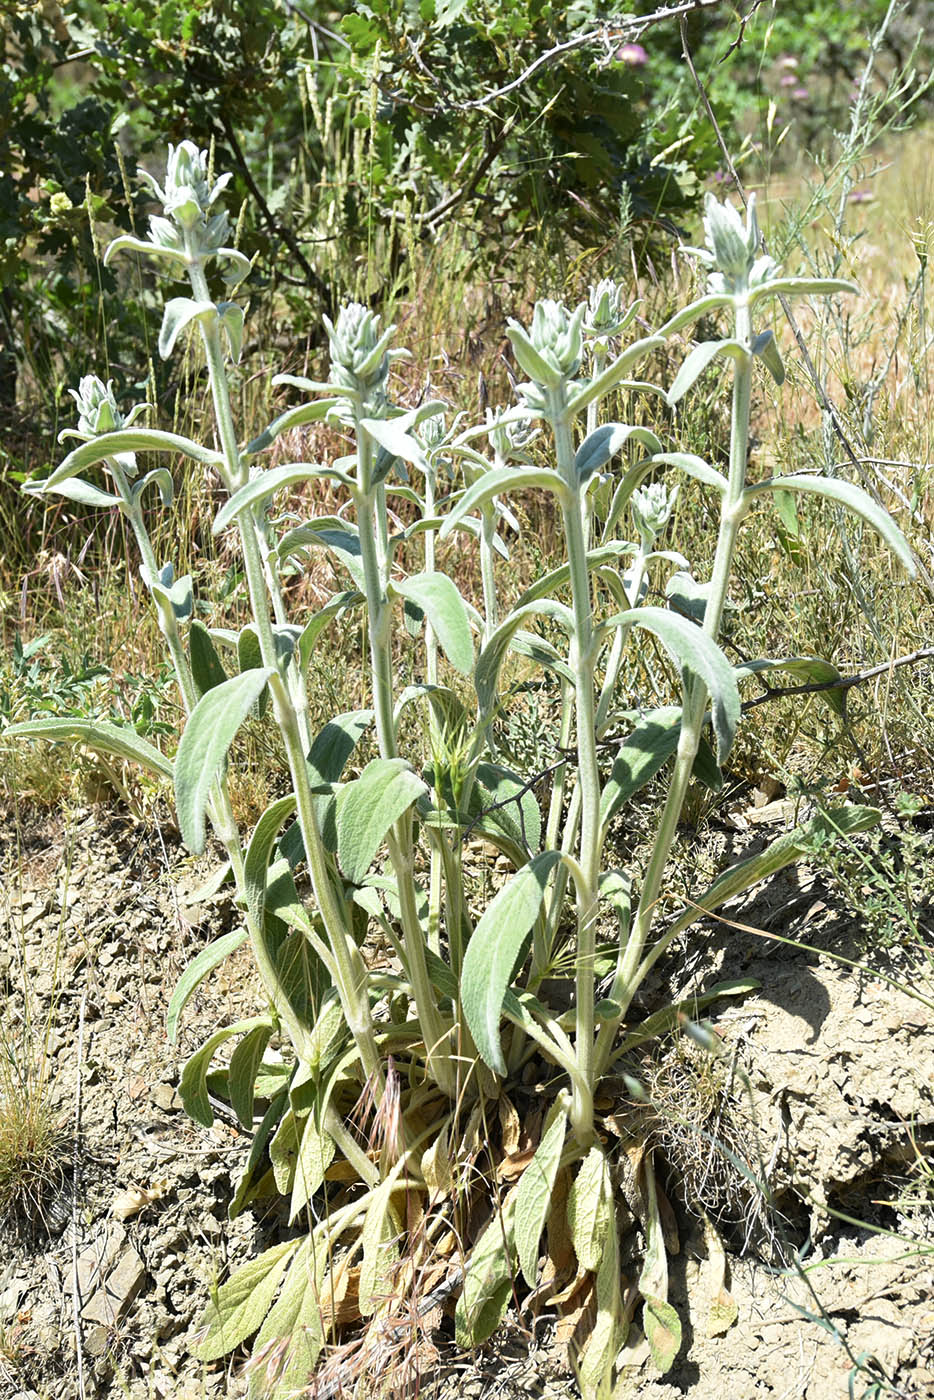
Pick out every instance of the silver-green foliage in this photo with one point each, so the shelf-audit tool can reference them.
(461, 974)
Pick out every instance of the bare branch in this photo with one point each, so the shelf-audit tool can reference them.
(312, 280)
(625, 29)
(844, 683)
(741, 32)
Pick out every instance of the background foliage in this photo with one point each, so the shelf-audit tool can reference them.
(360, 132)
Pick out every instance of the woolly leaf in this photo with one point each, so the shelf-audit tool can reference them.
(240, 1305)
(443, 605)
(192, 1086)
(196, 971)
(368, 807)
(180, 312)
(534, 1192)
(295, 1320)
(207, 736)
(494, 949)
(488, 1281)
(99, 735)
(589, 1208)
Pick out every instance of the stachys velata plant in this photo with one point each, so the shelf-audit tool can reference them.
(539, 984)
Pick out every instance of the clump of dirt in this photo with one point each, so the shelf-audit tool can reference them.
(835, 1070)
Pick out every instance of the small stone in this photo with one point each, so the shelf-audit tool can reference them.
(96, 1261)
(96, 1340)
(111, 1300)
(165, 1097)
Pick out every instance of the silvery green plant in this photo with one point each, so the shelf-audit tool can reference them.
(473, 994)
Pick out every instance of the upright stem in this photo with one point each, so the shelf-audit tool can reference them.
(487, 575)
(437, 839)
(582, 656)
(379, 618)
(593, 412)
(232, 470)
(349, 968)
(620, 638)
(554, 902)
(220, 808)
(436, 1032)
(431, 641)
(695, 700)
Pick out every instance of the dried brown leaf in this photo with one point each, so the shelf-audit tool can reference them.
(510, 1126)
(512, 1167)
(133, 1199)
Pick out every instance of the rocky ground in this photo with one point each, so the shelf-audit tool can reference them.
(836, 1068)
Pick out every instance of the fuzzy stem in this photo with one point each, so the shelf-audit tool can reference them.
(559, 884)
(379, 614)
(220, 809)
(431, 641)
(487, 574)
(351, 973)
(620, 638)
(581, 659)
(732, 511)
(435, 883)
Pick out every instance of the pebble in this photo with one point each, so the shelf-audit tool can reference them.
(118, 1291)
(96, 1340)
(165, 1097)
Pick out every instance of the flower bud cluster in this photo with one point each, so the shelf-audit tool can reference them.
(732, 251)
(187, 232)
(212, 234)
(432, 432)
(99, 413)
(360, 355)
(187, 194)
(606, 314)
(97, 407)
(556, 335)
(550, 349)
(510, 437)
(651, 508)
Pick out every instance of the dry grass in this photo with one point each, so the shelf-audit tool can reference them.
(698, 1119)
(34, 1151)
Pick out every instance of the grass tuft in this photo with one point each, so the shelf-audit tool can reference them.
(699, 1122)
(34, 1153)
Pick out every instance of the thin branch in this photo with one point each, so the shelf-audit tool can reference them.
(448, 205)
(626, 29)
(844, 683)
(275, 227)
(515, 797)
(316, 26)
(741, 32)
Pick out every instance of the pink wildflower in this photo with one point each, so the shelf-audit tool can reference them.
(633, 54)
